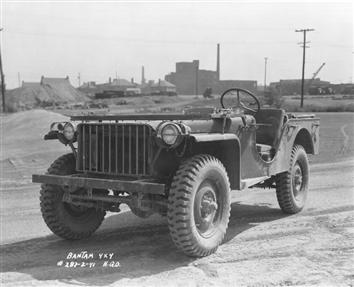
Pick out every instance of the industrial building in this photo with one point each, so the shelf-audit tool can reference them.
(313, 86)
(189, 79)
(293, 86)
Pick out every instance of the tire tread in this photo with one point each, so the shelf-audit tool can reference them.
(49, 198)
(180, 195)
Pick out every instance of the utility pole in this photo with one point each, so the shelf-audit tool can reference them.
(218, 62)
(79, 79)
(196, 77)
(142, 75)
(265, 74)
(304, 31)
(19, 79)
(2, 78)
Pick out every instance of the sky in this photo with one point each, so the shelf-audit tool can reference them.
(102, 39)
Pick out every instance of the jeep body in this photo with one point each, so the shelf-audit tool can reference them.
(137, 159)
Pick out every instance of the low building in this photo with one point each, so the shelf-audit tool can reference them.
(293, 86)
(122, 84)
(89, 88)
(163, 87)
(113, 88)
(344, 89)
(115, 85)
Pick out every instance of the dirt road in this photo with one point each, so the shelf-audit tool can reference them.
(262, 246)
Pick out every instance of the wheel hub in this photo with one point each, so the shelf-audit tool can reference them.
(208, 206)
(297, 181)
(205, 208)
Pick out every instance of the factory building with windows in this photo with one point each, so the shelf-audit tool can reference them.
(190, 80)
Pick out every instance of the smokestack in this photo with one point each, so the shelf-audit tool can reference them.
(218, 62)
(142, 75)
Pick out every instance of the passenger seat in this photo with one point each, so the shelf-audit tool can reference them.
(269, 125)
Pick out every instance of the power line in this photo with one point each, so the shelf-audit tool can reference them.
(304, 31)
(90, 37)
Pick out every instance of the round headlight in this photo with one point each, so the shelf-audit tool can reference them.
(69, 131)
(57, 126)
(170, 134)
(53, 126)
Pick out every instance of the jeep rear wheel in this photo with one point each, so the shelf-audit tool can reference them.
(199, 205)
(64, 219)
(292, 185)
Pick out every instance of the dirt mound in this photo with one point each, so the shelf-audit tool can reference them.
(22, 133)
(48, 92)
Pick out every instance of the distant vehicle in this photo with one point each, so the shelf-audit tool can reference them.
(131, 92)
(321, 91)
(163, 93)
(109, 94)
(182, 166)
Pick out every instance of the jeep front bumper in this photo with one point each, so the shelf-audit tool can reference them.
(73, 182)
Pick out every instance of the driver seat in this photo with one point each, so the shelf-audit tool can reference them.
(271, 122)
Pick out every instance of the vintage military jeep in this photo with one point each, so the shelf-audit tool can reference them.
(182, 166)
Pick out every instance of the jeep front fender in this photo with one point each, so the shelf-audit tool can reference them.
(226, 147)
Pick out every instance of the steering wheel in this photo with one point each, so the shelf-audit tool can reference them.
(235, 95)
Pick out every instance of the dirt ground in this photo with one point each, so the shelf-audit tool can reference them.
(263, 247)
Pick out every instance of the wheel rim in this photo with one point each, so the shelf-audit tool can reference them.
(207, 209)
(298, 182)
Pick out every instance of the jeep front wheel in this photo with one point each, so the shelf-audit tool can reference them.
(64, 219)
(199, 205)
(292, 185)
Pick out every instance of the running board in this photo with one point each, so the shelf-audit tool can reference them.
(252, 181)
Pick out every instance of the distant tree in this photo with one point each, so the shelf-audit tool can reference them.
(273, 97)
(207, 93)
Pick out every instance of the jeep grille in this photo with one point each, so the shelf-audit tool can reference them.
(114, 148)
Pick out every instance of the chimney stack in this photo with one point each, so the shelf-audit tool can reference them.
(218, 62)
(142, 75)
